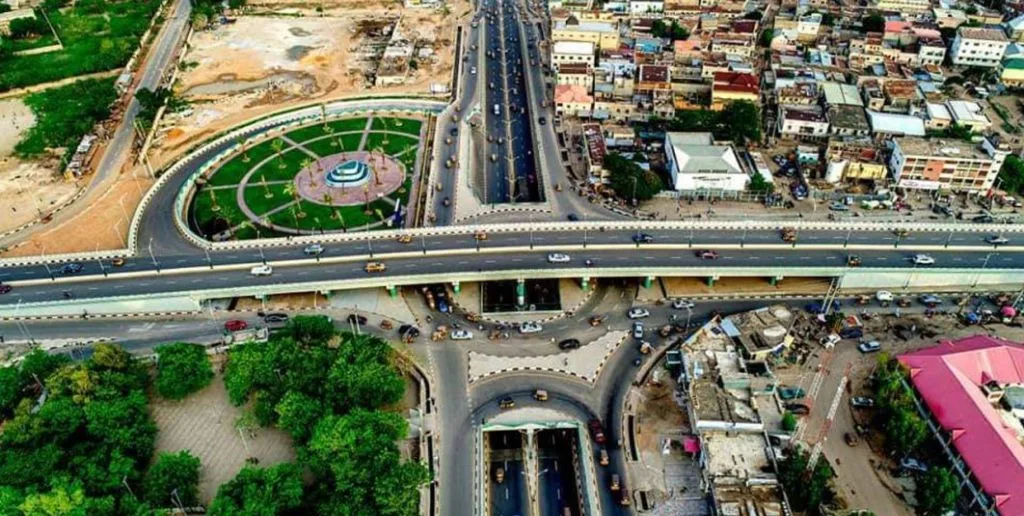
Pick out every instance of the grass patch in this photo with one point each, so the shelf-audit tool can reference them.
(395, 143)
(339, 126)
(98, 36)
(18, 45)
(202, 207)
(319, 216)
(323, 148)
(273, 171)
(64, 115)
(399, 125)
(255, 197)
(232, 172)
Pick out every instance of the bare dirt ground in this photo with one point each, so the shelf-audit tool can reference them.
(26, 188)
(204, 423)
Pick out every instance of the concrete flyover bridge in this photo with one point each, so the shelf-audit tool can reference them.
(186, 288)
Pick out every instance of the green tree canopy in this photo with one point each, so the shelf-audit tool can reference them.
(937, 491)
(1012, 174)
(308, 329)
(173, 475)
(805, 493)
(628, 178)
(874, 23)
(260, 492)
(298, 414)
(182, 369)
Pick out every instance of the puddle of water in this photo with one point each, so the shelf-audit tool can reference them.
(297, 52)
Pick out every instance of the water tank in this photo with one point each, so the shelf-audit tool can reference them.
(834, 173)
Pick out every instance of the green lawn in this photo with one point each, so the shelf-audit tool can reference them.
(232, 172)
(319, 216)
(202, 206)
(323, 148)
(272, 170)
(17, 45)
(408, 125)
(340, 126)
(255, 197)
(396, 143)
(97, 36)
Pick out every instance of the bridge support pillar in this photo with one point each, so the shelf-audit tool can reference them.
(585, 283)
(456, 287)
(392, 291)
(774, 280)
(647, 281)
(711, 280)
(520, 292)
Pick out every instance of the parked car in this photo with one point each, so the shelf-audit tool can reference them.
(851, 439)
(913, 465)
(530, 327)
(798, 408)
(791, 393)
(276, 319)
(638, 330)
(357, 319)
(884, 296)
(235, 325)
(262, 270)
(862, 402)
(930, 300)
(596, 431)
(569, 344)
(869, 347)
(819, 308)
(682, 304)
(838, 206)
(461, 334)
(638, 313)
(558, 258)
(854, 332)
(408, 332)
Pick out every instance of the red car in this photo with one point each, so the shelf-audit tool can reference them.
(235, 325)
(707, 254)
(597, 431)
(4, 288)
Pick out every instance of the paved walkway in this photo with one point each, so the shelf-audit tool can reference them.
(292, 144)
(584, 363)
(366, 133)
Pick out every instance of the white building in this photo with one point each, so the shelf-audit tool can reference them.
(695, 163)
(808, 26)
(646, 7)
(931, 164)
(802, 121)
(969, 114)
(975, 46)
(931, 52)
(572, 52)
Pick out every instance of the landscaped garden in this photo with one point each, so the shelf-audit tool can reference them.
(352, 174)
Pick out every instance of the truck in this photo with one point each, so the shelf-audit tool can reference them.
(497, 111)
(245, 335)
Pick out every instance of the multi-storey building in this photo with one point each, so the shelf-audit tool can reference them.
(573, 101)
(603, 34)
(976, 46)
(732, 86)
(904, 6)
(572, 52)
(802, 122)
(931, 164)
(576, 75)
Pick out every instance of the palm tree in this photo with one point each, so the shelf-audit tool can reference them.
(323, 113)
(214, 207)
(366, 193)
(295, 215)
(267, 194)
(329, 130)
(245, 150)
(380, 164)
(384, 140)
(307, 166)
(290, 189)
(278, 145)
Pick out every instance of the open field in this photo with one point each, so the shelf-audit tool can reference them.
(204, 423)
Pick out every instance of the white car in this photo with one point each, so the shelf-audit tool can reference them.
(682, 304)
(558, 258)
(923, 259)
(530, 327)
(262, 270)
(462, 335)
(638, 313)
(997, 240)
(884, 296)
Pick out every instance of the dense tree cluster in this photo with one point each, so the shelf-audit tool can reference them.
(327, 391)
(1012, 174)
(904, 428)
(65, 114)
(76, 434)
(182, 369)
(630, 180)
(672, 31)
(739, 121)
(805, 492)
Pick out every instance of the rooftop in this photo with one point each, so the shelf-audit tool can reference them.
(572, 94)
(653, 73)
(839, 93)
(982, 33)
(946, 147)
(574, 69)
(695, 153)
(736, 82)
(573, 47)
(967, 112)
(596, 148)
(846, 116)
(949, 378)
(586, 26)
(741, 455)
(890, 123)
(803, 114)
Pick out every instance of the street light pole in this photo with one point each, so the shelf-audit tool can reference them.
(100, 262)
(209, 261)
(153, 256)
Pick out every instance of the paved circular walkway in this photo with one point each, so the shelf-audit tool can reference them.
(386, 176)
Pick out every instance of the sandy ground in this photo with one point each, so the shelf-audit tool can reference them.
(26, 188)
(204, 423)
(231, 68)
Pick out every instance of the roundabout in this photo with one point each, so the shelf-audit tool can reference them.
(348, 174)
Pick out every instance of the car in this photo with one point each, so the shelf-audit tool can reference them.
(615, 484)
(900, 232)
(540, 395)
(603, 457)
(275, 318)
(983, 219)
(638, 330)
(853, 260)
(375, 267)
(997, 240)
(850, 439)
(313, 250)
(499, 474)
(480, 235)
(530, 327)
(798, 408)
(682, 304)
(791, 393)
(869, 347)
(262, 270)
(596, 431)
(819, 308)
(5, 288)
(642, 238)
(913, 465)
(506, 403)
(569, 344)
(638, 313)
(853, 332)
(357, 319)
(829, 341)
(404, 239)
(862, 402)
(558, 258)
(408, 331)
(707, 254)
(922, 259)
(838, 206)
(117, 262)
(447, 201)
(573, 217)
(70, 268)
(235, 325)
(884, 296)
(930, 300)
(473, 69)
(543, 120)
(461, 334)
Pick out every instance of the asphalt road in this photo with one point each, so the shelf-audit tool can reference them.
(558, 476)
(510, 497)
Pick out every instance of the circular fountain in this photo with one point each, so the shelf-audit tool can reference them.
(348, 174)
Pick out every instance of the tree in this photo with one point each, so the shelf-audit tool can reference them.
(905, 430)
(629, 180)
(805, 493)
(110, 356)
(24, 28)
(260, 492)
(249, 368)
(874, 23)
(1012, 174)
(311, 329)
(61, 499)
(788, 421)
(766, 38)
(937, 491)
(759, 184)
(10, 390)
(173, 478)
(182, 369)
(298, 414)
(366, 384)
(741, 121)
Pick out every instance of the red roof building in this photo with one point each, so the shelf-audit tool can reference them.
(950, 378)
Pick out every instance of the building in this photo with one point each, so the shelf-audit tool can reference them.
(1015, 29)
(696, 164)
(807, 27)
(802, 121)
(576, 75)
(969, 114)
(930, 164)
(841, 94)
(930, 52)
(848, 120)
(1012, 73)
(904, 6)
(572, 52)
(603, 34)
(885, 125)
(733, 86)
(969, 388)
(649, 8)
(939, 116)
(573, 100)
(975, 46)
(595, 151)
(949, 18)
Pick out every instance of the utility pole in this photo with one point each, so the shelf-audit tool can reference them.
(153, 256)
